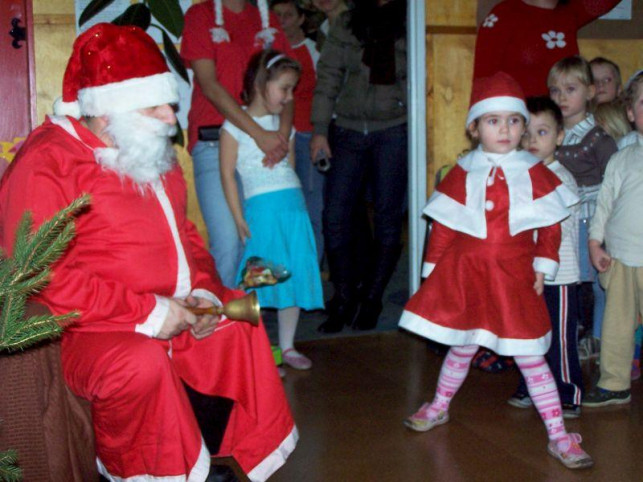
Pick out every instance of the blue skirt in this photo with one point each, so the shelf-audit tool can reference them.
(280, 232)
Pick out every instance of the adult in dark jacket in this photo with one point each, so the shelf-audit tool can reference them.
(361, 83)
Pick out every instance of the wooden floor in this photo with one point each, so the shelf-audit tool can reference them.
(349, 410)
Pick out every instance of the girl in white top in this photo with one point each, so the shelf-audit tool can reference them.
(273, 222)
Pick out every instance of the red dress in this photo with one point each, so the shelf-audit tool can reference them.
(482, 255)
(132, 250)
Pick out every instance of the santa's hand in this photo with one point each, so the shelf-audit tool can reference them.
(206, 324)
(539, 285)
(178, 318)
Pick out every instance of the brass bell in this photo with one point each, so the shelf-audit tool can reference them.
(245, 308)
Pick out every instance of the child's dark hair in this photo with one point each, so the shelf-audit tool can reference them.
(540, 104)
(263, 67)
(300, 10)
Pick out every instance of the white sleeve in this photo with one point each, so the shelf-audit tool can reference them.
(233, 130)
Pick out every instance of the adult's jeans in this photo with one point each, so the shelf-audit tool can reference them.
(223, 241)
(312, 185)
(355, 153)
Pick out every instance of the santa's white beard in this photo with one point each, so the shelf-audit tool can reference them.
(143, 150)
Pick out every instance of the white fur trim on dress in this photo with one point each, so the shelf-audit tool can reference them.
(276, 459)
(129, 95)
(450, 336)
(71, 109)
(547, 266)
(495, 104)
(199, 471)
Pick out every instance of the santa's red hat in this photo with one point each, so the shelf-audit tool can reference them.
(115, 69)
(499, 92)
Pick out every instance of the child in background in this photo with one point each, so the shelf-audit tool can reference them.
(273, 223)
(544, 133)
(632, 137)
(585, 151)
(607, 79)
(617, 223)
(291, 17)
(612, 117)
(485, 270)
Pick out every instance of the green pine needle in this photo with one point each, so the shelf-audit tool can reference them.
(27, 272)
(9, 471)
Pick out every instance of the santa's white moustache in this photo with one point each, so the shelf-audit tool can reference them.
(143, 150)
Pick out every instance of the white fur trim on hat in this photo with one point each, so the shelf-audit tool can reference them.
(66, 108)
(128, 95)
(493, 104)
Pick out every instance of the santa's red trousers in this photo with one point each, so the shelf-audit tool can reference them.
(143, 421)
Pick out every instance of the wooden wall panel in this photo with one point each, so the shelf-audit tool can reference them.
(451, 13)
(628, 54)
(53, 47)
(453, 60)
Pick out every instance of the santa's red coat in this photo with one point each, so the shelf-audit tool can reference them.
(133, 250)
(483, 255)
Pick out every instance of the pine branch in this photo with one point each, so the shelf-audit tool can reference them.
(9, 471)
(27, 272)
(47, 244)
(36, 329)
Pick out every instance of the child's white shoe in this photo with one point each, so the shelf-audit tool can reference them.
(569, 452)
(421, 422)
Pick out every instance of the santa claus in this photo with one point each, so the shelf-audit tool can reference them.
(134, 269)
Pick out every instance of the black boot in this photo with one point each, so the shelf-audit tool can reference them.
(386, 258)
(343, 307)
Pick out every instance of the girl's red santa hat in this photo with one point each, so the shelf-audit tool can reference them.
(499, 92)
(115, 69)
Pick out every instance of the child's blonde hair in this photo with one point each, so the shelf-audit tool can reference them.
(612, 117)
(576, 66)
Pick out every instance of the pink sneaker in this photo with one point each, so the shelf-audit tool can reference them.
(569, 452)
(296, 360)
(420, 421)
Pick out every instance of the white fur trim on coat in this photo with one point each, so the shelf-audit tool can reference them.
(547, 266)
(524, 212)
(129, 95)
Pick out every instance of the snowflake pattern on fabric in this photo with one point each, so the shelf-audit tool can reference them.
(490, 21)
(554, 39)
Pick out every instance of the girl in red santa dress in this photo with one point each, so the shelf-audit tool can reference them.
(495, 238)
